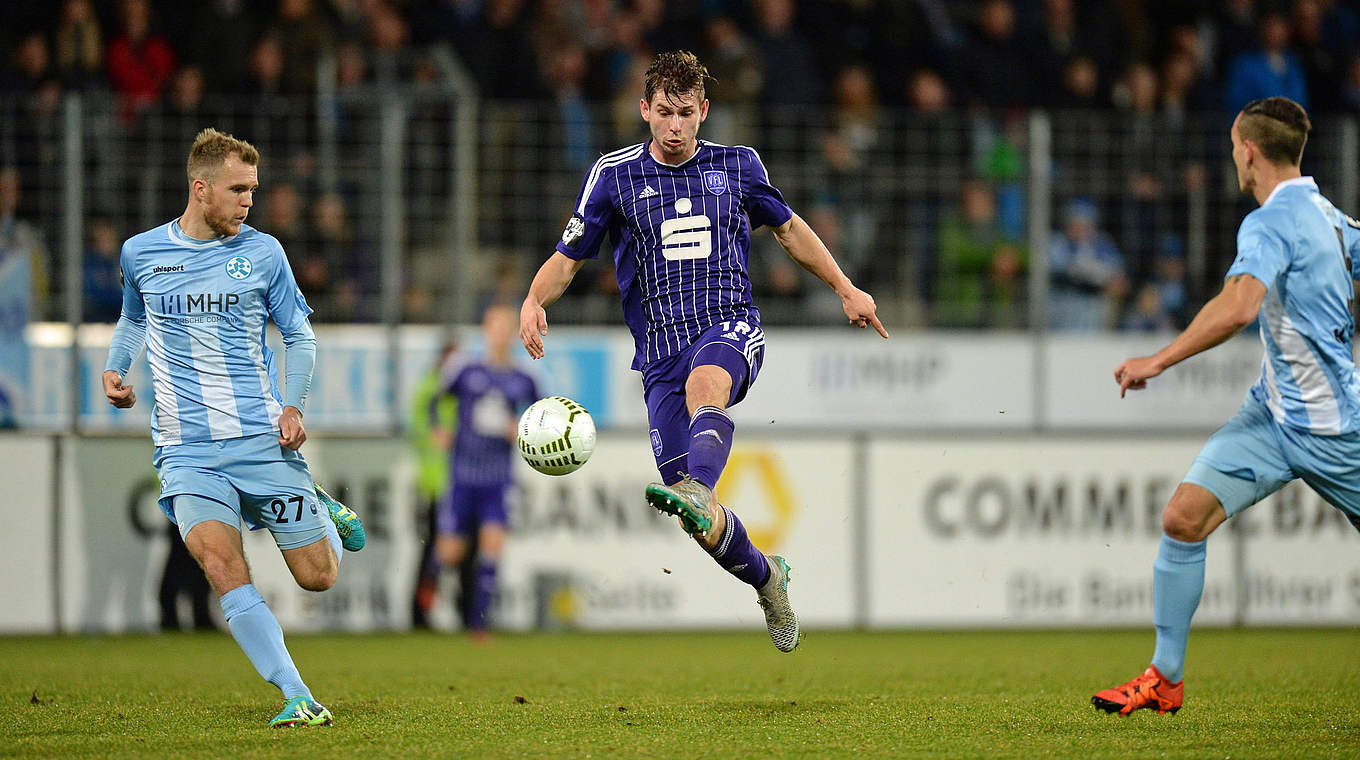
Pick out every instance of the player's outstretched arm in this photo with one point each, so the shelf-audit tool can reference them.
(803, 245)
(548, 285)
(1221, 318)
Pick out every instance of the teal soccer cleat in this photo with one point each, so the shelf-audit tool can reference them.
(773, 597)
(302, 711)
(347, 524)
(688, 500)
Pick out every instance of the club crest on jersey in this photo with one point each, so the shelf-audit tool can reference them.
(656, 442)
(238, 268)
(715, 182)
(576, 229)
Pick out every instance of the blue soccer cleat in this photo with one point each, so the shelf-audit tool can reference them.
(302, 711)
(347, 524)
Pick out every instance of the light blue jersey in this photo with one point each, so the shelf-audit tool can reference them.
(1306, 252)
(202, 306)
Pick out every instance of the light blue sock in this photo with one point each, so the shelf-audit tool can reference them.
(260, 637)
(333, 534)
(1177, 582)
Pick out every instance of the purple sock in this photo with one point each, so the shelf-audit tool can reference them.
(483, 589)
(739, 556)
(710, 441)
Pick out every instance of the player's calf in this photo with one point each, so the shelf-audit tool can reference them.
(314, 566)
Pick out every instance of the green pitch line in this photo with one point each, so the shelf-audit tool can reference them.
(933, 694)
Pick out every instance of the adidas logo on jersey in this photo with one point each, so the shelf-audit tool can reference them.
(647, 192)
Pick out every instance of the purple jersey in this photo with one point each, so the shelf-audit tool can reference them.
(682, 238)
(489, 401)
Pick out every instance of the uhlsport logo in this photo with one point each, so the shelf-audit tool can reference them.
(715, 182)
(238, 268)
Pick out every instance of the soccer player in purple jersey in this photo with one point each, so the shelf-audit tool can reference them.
(491, 393)
(680, 212)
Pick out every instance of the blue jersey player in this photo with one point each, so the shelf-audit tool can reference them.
(680, 212)
(197, 293)
(1296, 264)
(491, 392)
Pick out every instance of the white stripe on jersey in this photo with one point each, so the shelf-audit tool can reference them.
(622, 155)
(168, 432)
(214, 381)
(271, 405)
(1320, 404)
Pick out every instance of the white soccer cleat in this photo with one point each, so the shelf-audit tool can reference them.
(773, 597)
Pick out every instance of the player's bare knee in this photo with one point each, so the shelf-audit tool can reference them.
(223, 570)
(708, 385)
(1184, 524)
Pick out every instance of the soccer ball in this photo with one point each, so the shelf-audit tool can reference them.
(556, 435)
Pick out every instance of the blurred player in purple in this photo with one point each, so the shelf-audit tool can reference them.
(491, 392)
(680, 212)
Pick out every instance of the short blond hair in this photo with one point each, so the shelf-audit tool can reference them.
(212, 149)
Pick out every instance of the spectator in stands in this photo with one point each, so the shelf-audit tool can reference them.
(1183, 87)
(1350, 87)
(103, 281)
(996, 69)
(309, 35)
(736, 64)
(927, 92)
(1168, 277)
(1148, 314)
(1234, 33)
(79, 46)
(1055, 45)
(1271, 69)
(1080, 84)
(565, 77)
(347, 276)
(499, 52)
(387, 35)
(181, 114)
(284, 219)
(792, 77)
(1320, 64)
(1087, 279)
(23, 287)
(1136, 90)
(19, 238)
(266, 66)
(207, 27)
(140, 61)
(978, 272)
(30, 65)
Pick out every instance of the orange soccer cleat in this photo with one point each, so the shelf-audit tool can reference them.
(1150, 690)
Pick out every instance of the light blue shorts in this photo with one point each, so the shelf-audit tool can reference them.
(251, 480)
(1253, 456)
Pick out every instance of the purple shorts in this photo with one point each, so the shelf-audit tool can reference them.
(737, 346)
(462, 509)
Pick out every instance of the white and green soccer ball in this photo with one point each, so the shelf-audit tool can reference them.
(556, 435)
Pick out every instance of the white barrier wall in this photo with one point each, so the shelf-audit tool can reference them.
(586, 550)
(26, 512)
(817, 380)
(1019, 531)
(981, 530)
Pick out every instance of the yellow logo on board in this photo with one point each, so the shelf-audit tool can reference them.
(763, 467)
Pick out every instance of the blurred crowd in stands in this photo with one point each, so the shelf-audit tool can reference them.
(937, 69)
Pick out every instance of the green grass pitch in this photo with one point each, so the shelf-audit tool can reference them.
(997, 694)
